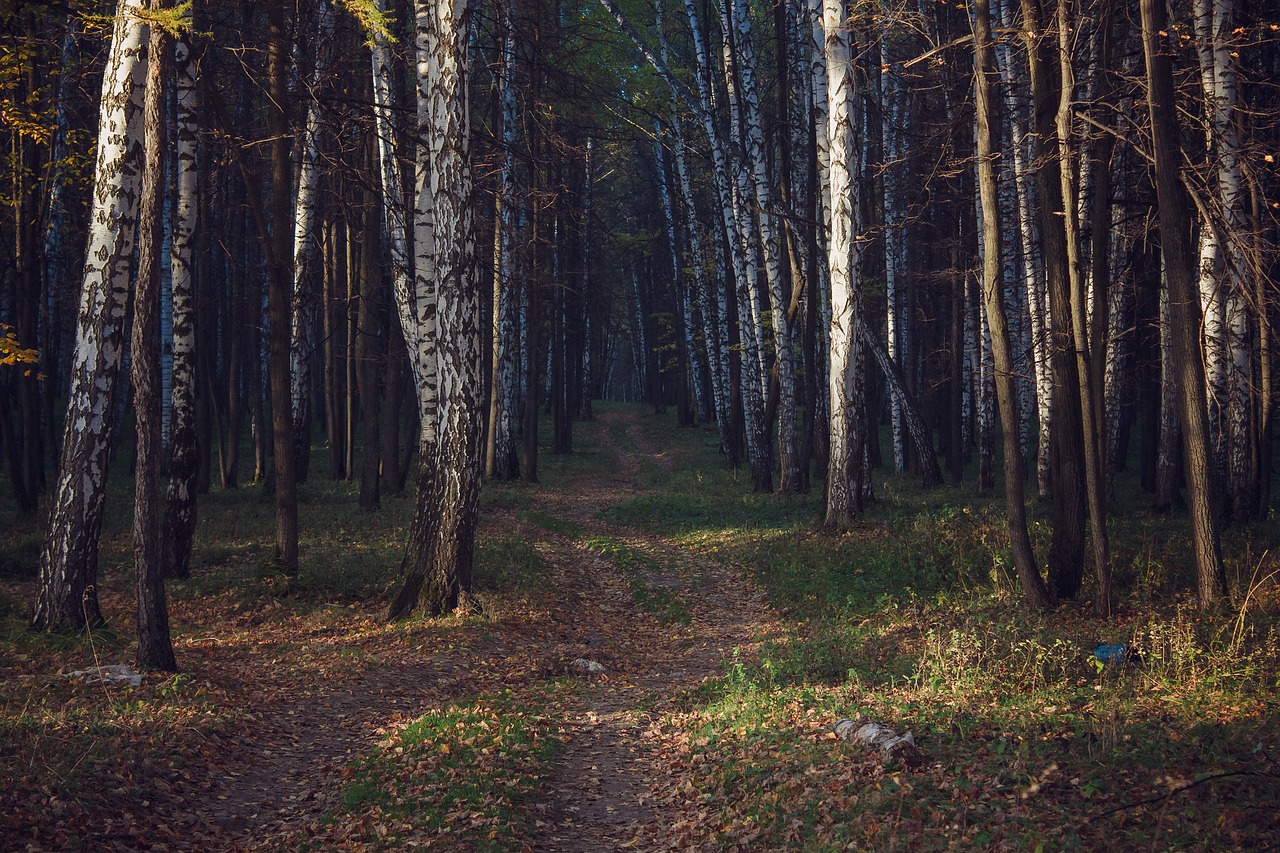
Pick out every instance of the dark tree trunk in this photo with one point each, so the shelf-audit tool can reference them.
(279, 298)
(155, 651)
(1066, 552)
(1175, 231)
(369, 355)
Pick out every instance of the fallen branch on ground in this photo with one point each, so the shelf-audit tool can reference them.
(872, 735)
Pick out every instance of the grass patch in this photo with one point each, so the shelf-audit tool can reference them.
(507, 564)
(562, 526)
(471, 770)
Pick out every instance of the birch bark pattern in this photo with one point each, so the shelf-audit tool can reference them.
(500, 452)
(845, 458)
(439, 559)
(306, 250)
(68, 596)
(180, 502)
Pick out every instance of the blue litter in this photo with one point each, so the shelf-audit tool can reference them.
(1111, 654)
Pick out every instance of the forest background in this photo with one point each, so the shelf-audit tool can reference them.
(377, 245)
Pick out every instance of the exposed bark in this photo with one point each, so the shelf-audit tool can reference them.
(1066, 551)
(439, 559)
(500, 453)
(1086, 354)
(844, 495)
(306, 249)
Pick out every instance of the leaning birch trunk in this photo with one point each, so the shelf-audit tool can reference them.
(1175, 226)
(442, 534)
(759, 451)
(739, 197)
(714, 335)
(1035, 594)
(306, 251)
(68, 595)
(180, 503)
(916, 427)
(155, 650)
(677, 278)
(845, 458)
(500, 455)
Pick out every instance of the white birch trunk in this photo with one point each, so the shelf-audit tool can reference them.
(1012, 73)
(895, 244)
(1223, 281)
(753, 139)
(677, 278)
(442, 534)
(847, 442)
(306, 244)
(69, 562)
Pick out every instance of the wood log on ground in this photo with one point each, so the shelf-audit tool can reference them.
(872, 735)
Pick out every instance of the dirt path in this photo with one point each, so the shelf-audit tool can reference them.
(597, 794)
(287, 772)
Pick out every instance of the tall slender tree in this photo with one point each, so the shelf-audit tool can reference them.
(155, 651)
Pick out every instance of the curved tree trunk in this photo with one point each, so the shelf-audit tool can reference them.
(438, 563)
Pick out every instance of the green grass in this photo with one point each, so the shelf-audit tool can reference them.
(470, 769)
(913, 617)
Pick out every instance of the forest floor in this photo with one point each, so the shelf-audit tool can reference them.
(733, 634)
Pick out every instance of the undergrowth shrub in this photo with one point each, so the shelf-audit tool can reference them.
(998, 656)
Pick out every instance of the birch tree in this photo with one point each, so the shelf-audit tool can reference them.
(844, 494)
(442, 534)
(306, 247)
(180, 503)
(1175, 227)
(500, 452)
(68, 596)
(1036, 595)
